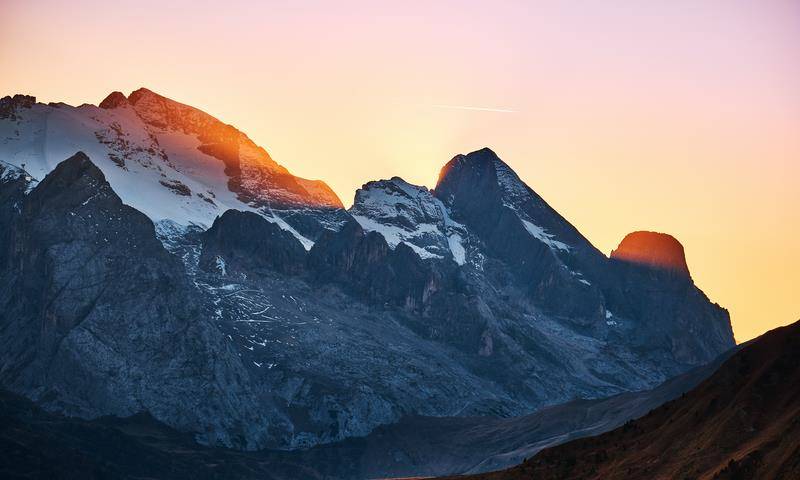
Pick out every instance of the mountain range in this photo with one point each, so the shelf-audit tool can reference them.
(154, 259)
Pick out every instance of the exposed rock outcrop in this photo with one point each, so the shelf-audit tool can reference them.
(97, 318)
(652, 249)
(113, 100)
(245, 242)
(9, 106)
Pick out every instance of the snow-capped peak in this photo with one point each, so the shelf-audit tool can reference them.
(166, 159)
(410, 214)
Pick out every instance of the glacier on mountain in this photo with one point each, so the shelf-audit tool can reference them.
(153, 154)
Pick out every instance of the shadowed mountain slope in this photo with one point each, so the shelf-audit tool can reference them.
(36, 443)
(742, 422)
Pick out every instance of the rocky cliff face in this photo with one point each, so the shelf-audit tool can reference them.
(548, 257)
(304, 323)
(651, 249)
(97, 318)
(653, 284)
(245, 242)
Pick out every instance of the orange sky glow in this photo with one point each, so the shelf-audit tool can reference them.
(681, 117)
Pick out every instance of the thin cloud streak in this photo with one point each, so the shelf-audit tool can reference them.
(477, 109)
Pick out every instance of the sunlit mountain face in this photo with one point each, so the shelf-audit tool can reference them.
(652, 249)
(253, 174)
(169, 160)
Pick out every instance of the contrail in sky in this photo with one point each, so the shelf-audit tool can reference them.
(478, 109)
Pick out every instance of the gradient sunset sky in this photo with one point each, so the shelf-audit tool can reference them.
(675, 116)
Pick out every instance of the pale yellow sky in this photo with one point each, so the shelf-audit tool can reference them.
(682, 117)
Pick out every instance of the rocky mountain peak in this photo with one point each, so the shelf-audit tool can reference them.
(393, 191)
(113, 100)
(254, 176)
(167, 159)
(9, 105)
(479, 161)
(652, 249)
(482, 172)
(163, 113)
(481, 186)
(75, 168)
(405, 213)
(75, 182)
(141, 93)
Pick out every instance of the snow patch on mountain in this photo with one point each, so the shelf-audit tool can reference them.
(517, 197)
(410, 214)
(542, 235)
(9, 173)
(513, 187)
(395, 235)
(457, 248)
(306, 242)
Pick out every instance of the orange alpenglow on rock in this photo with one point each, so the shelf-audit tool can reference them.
(652, 249)
(253, 175)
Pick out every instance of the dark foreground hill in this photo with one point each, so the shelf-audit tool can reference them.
(37, 444)
(742, 422)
